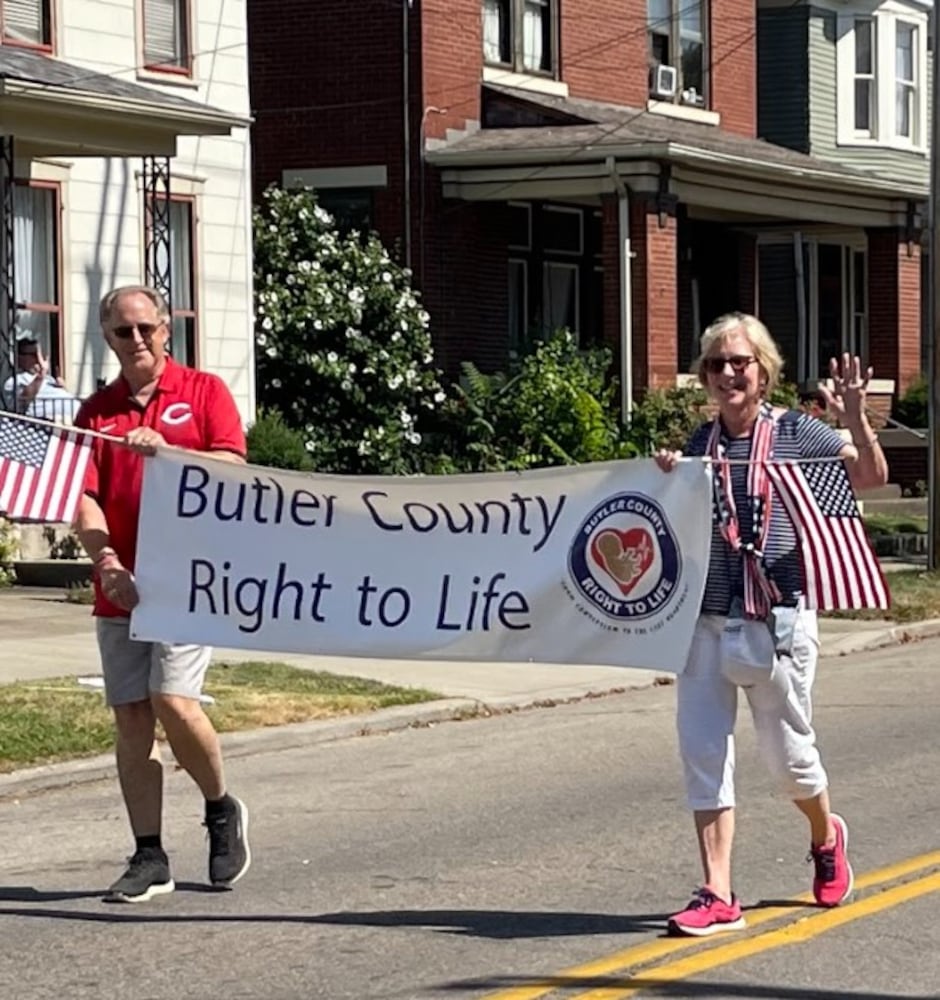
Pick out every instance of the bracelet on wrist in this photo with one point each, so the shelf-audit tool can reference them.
(107, 554)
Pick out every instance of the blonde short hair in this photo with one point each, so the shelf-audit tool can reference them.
(110, 301)
(758, 336)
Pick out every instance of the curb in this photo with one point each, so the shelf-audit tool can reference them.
(899, 635)
(49, 777)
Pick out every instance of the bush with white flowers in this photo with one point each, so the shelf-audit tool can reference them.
(343, 348)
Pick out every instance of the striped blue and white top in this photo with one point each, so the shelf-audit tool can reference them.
(798, 436)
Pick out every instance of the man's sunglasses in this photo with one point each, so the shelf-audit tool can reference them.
(144, 329)
(739, 363)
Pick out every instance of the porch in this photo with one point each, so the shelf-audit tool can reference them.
(637, 230)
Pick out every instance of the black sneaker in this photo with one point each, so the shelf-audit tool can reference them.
(229, 854)
(147, 875)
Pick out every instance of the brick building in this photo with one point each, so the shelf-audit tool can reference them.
(592, 164)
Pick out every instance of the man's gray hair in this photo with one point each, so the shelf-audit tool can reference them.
(110, 301)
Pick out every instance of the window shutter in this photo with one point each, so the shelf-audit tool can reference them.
(23, 21)
(165, 33)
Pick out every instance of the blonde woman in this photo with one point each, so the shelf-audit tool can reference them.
(756, 572)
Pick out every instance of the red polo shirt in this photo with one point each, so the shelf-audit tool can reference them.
(191, 409)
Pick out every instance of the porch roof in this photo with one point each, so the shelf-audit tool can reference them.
(570, 137)
(57, 108)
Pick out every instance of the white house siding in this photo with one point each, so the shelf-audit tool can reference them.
(103, 224)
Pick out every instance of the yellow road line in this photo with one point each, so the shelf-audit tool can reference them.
(795, 933)
(662, 947)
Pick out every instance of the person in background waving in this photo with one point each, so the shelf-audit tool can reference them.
(153, 402)
(755, 629)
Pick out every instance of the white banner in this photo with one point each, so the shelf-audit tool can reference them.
(597, 564)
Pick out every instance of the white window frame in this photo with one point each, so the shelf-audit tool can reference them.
(884, 132)
(564, 210)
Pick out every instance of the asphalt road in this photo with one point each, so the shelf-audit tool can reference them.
(519, 856)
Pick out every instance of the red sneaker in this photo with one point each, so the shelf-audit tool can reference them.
(707, 914)
(834, 880)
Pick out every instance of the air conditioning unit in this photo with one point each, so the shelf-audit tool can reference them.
(665, 80)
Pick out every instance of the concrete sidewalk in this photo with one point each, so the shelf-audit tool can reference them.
(43, 636)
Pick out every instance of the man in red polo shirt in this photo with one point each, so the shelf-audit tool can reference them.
(153, 402)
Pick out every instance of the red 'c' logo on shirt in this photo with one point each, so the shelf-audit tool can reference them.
(177, 413)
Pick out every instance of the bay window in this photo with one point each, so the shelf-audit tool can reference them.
(882, 79)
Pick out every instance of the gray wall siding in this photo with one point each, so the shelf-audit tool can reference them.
(783, 112)
(893, 164)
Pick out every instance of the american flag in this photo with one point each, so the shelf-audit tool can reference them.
(42, 470)
(842, 570)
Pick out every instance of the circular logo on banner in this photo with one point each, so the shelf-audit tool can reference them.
(625, 558)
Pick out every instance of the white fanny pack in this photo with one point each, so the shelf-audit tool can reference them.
(750, 647)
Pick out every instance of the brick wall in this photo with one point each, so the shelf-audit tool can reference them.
(653, 240)
(604, 53)
(894, 304)
(733, 28)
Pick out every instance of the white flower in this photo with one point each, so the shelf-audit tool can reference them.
(323, 216)
(266, 323)
(345, 385)
(387, 277)
(332, 357)
(351, 369)
(352, 334)
(424, 317)
(271, 352)
(261, 340)
(318, 324)
(304, 266)
(275, 383)
(394, 382)
(364, 448)
(440, 396)
(356, 296)
(413, 437)
(406, 418)
(428, 358)
(396, 336)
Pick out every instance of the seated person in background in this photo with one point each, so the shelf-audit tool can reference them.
(38, 393)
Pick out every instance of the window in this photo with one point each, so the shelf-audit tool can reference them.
(882, 72)
(26, 22)
(518, 304)
(183, 342)
(905, 82)
(864, 76)
(521, 35)
(166, 35)
(36, 264)
(352, 208)
(677, 39)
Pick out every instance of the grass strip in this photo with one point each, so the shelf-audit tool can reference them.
(45, 721)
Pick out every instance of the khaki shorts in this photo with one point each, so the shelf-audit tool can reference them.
(133, 670)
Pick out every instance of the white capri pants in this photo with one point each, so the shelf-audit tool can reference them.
(707, 708)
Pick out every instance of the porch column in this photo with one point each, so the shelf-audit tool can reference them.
(894, 306)
(7, 275)
(655, 305)
(747, 273)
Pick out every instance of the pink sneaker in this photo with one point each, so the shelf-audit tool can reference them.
(707, 914)
(834, 880)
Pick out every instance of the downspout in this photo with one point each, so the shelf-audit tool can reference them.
(625, 256)
(406, 123)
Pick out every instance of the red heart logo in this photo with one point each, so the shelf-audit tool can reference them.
(624, 556)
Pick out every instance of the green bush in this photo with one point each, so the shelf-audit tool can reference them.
(911, 409)
(343, 349)
(665, 418)
(272, 443)
(555, 406)
(8, 552)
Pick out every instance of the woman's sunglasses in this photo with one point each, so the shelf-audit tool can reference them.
(739, 363)
(144, 329)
